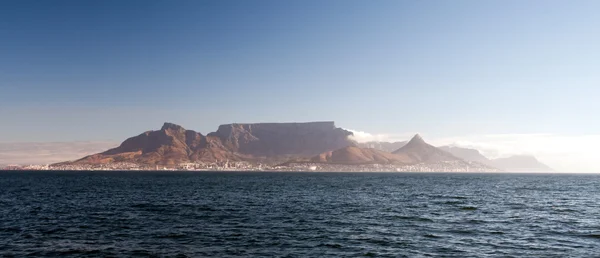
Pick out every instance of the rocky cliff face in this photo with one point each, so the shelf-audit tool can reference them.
(170, 145)
(173, 144)
(278, 139)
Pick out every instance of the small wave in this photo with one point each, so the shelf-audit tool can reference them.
(11, 230)
(74, 252)
(447, 197)
(453, 202)
(431, 236)
(565, 210)
(597, 236)
(413, 218)
(468, 208)
(141, 252)
(150, 207)
(51, 231)
(172, 236)
(141, 205)
(336, 246)
(196, 207)
(465, 232)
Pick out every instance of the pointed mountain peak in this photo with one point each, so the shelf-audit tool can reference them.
(170, 126)
(416, 139)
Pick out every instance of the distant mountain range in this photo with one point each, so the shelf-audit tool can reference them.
(467, 154)
(267, 142)
(516, 163)
(521, 163)
(419, 151)
(316, 142)
(414, 152)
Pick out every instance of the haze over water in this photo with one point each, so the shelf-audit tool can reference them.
(298, 214)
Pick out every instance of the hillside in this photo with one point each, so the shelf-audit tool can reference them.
(419, 151)
(383, 146)
(356, 155)
(170, 145)
(467, 154)
(173, 144)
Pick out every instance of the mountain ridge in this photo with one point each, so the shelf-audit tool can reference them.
(513, 163)
(416, 151)
(420, 151)
(172, 144)
(318, 142)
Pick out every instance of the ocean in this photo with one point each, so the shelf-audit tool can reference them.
(226, 214)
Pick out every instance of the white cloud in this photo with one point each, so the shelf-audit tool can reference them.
(568, 153)
(361, 136)
(565, 153)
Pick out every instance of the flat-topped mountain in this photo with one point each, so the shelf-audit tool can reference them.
(420, 151)
(278, 139)
(173, 144)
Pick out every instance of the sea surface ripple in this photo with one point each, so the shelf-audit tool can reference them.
(124, 214)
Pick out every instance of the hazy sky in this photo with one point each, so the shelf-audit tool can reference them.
(106, 70)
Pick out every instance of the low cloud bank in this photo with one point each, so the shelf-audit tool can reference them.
(49, 152)
(361, 136)
(565, 153)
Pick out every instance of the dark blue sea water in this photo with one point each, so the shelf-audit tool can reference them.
(88, 214)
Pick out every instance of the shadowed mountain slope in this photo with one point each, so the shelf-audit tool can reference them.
(467, 154)
(170, 145)
(356, 155)
(173, 144)
(420, 151)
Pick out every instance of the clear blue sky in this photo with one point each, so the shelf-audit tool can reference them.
(91, 70)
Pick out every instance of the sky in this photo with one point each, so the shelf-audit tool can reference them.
(460, 70)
